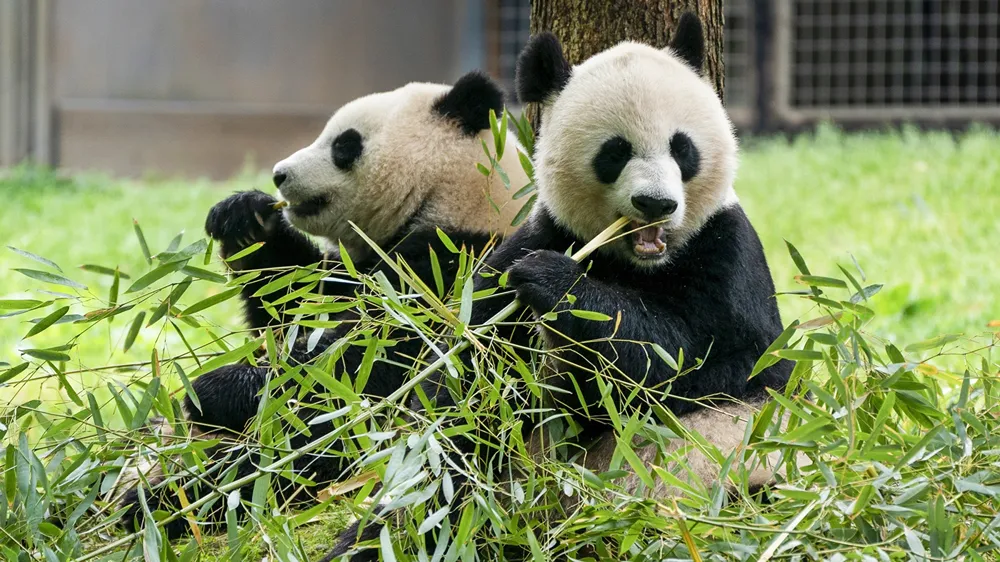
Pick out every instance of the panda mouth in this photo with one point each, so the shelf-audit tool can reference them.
(647, 240)
(309, 207)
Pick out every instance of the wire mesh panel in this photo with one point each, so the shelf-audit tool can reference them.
(888, 59)
(514, 21)
(738, 50)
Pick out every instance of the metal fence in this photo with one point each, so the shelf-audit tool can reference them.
(878, 60)
(739, 55)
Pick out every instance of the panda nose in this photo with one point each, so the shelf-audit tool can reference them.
(279, 178)
(652, 207)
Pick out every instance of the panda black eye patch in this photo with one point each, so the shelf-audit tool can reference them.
(685, 153)
(612, 158)
(347, 148)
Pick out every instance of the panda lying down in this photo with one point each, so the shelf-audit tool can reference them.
(632, 132)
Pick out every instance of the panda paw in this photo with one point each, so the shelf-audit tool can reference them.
(542, 278)
(243, 219)
(133, 518)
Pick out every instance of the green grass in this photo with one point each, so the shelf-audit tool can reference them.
(918, 211)
(88, 220)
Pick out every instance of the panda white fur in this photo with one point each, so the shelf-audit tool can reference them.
(635, 132)
(399, 165)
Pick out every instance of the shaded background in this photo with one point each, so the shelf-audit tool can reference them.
(208, 87)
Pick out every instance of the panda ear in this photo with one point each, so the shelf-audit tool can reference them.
(469, 102)
(688, 41)
(542, 69)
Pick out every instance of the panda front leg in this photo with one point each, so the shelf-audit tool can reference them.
(160, 496)
(246, 218)
(617, 350)
(227, 415)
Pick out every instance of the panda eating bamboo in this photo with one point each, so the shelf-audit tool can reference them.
(633, 132)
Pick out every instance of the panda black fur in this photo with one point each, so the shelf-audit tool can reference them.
(636, 132)
(398, 164)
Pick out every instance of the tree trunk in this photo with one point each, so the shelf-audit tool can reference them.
(586, 27)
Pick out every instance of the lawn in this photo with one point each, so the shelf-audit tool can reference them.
(917, 212)
(88, 219)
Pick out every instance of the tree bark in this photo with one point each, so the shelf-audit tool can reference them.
(587, 27)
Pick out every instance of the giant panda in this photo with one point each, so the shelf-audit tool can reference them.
(400, 165)
(656, 146)
(633, 132)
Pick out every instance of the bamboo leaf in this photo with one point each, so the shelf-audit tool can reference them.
(175, 242)
(529, 188)
(184, 255)
(46, 354)
(768, 358)
(47, 321)
(154, 275)
(245, 252)
(19, 304)
(205, 274)
(35, 257)
(933, 343)
(590, 315)
(446, 241)
(819, 281)
(113, 292)
(146, 404)
(103, 270)
(524, 211)
(345, 258)
(133, 330)
(664, 355)
(142, 241)
(188, 387)
(12, 372)
(799, 354)
(47, 277)
(211, 301)
(639, 467)
(800, 263)
(432, 520)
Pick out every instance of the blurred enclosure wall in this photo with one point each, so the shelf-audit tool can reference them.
(196, 87)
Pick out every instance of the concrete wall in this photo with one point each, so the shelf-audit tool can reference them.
(196, 87)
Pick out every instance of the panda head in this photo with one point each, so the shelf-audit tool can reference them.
(395, 160)
(633, 132)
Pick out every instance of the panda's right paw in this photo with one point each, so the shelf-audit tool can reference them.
(243, 219)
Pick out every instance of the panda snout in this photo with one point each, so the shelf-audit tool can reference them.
(654, 208)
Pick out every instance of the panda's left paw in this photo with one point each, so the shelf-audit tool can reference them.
(542, 278)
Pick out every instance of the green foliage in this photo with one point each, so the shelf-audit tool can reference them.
(889, 444)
